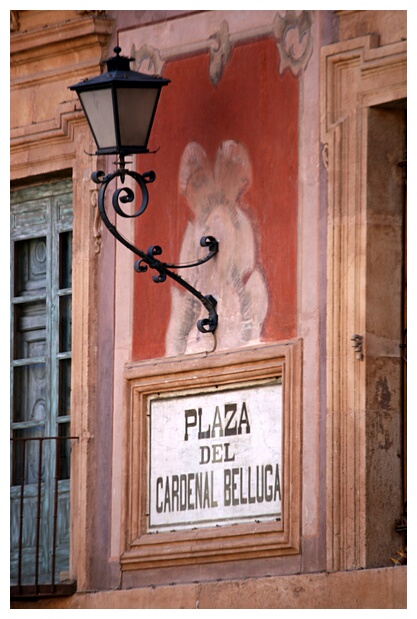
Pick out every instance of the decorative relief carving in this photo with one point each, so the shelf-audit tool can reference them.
(292, 31)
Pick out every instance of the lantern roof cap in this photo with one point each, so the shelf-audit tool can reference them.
(119, 73)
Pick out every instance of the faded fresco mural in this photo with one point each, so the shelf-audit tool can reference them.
(214, 193)
(225, 158)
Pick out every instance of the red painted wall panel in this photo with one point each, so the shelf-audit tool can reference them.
(251, 104)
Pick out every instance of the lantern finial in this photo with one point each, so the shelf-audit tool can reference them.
(118, 62)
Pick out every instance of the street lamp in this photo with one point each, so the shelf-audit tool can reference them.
(120, 107)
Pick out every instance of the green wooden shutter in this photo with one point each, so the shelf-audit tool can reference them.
(41, 284)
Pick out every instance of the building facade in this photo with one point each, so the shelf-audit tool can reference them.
(260, 465)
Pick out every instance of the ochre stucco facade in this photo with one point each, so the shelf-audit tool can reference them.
(283, 134)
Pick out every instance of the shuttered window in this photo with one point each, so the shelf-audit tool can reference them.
(41, 300)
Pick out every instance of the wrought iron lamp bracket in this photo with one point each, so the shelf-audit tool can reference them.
(124, 195)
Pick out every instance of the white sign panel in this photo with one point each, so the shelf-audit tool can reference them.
(215, 457)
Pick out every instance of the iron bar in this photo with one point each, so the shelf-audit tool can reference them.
(22, 493)
(38, 515)
(55, 518)
(35, 585)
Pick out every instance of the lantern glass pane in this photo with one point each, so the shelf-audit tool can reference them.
(136, 108)
(98, 106)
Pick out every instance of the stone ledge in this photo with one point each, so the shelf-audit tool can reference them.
(376, 588)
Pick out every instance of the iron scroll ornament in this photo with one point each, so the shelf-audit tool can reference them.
(147, 259)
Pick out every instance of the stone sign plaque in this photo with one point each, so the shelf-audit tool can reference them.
(215, 457)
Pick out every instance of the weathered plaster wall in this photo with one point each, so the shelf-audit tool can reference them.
(49, 135)
(309, 257)
(389, 26)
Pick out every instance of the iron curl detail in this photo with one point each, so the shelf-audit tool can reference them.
(148, 259)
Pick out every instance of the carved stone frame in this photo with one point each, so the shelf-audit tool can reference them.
(211, 544)
(48, 149)
(355, 75)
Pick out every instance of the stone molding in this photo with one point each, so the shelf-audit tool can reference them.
(50, 138)
(43, 62)
(384, 588)
(141, 550)
(356, 74)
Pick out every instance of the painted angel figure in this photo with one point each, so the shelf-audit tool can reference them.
(214, 195)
